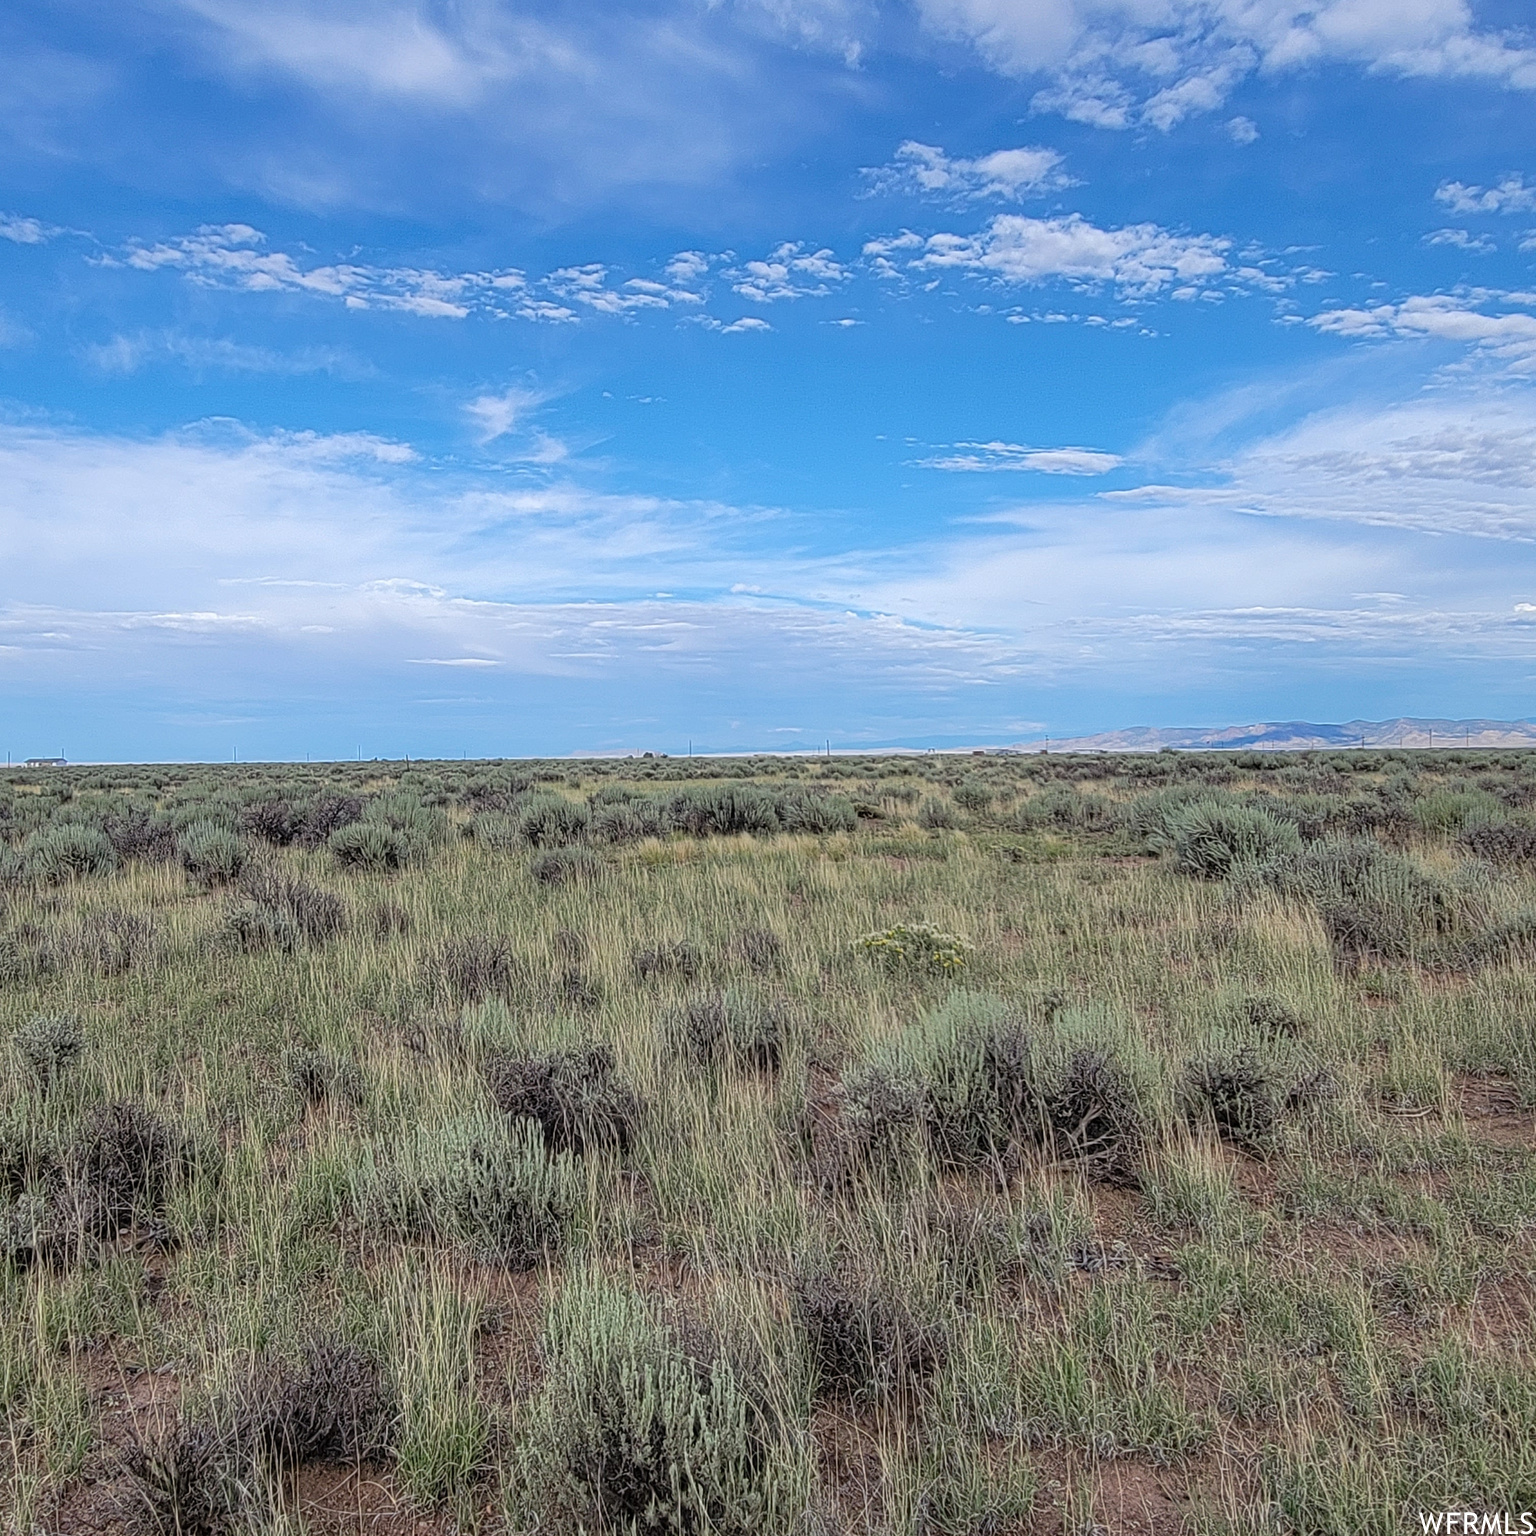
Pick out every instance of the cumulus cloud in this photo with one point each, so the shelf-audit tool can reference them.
(1511, 195)
(1139, 260)
(589, 286)
(789, 271)
(1242, 130)
(1009, 174)
(971, 457)
(237, 256)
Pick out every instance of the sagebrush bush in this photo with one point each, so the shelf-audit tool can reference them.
(974, 795)
(1270, 1016)
(334, 1405)
(67, 852)
(326, 815)
(761, 948)
(552, 821)
(496, 830)
(1239, 1094)
(485, 1182)
(472, 968)
(211, 852)
(1066, 809)
(369, 845)
(565, 866)
(122, 1168)
(937, 815)
(729, 1028)
(975, 1061)
(1209, 838)
(318, 1076)
(874, 1124)
(47, 1045)
(1095, 1115)
(1379, 906)
(139, 835)
(817, 813)
(626, 822)
(720, 812)
(1500, 841)
(863, 1341)
(181, 1469)
(111, 941)
(643, 1427)
(419, 828)
(291, 909)
(251, 926)
(680, 958)
(575, 1097)
(277, 822)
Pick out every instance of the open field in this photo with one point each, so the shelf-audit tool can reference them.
(926, 1145)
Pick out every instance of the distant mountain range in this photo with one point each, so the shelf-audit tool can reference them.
(1298, 735)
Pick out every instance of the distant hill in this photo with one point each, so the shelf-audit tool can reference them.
(1299, 735)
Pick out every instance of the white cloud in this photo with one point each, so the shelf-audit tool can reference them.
(496, 415)
(1462, 462)
(1510, 338)
(744, 326)
(687, 267)
(234, 256)
(1114, 64)
(588, 285)
(396, 50)
(887, 253)
(1511, 195)
(126, 354)
(22, 231)
(1139, 259)
(968, 457)
(1242, 130)
(1461, 238)
(1005, 173)
(237, 256)
(836, 26)
(354, 561)
(790, 271)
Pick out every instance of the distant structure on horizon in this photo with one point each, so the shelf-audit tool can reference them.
(1297, 736)
(46, 762)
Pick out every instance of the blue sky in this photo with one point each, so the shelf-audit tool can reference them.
(532, 378)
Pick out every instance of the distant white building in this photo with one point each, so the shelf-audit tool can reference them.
(47, 762)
